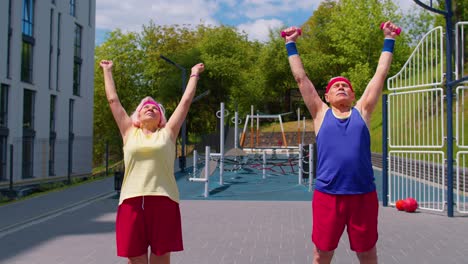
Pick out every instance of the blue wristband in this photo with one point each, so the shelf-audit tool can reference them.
(291, 48)
(388, 45)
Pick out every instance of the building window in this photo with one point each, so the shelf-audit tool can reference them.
(73, 8)
(28, 133)
(53, 135)
(3, 157)
(3, 130)
(57, 71)
(51, 28)
(4, 105)
(28, 17)
(28, 109)
(28, 155)
(52, 154)
(53, 100)
(77, 43)
(77, 60)
(71, 109)
(10, 33)
(26, 62)
(71, 135)
(90, 13)
(76, 78)
(28, 41)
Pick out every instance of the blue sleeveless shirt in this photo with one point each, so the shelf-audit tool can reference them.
(343, 155)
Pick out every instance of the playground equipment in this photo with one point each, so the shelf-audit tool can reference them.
(256, 162)
(238, 159)
(255, 138)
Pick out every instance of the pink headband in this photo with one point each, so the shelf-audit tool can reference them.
(157, 106)
(338, 79)
(149, 102)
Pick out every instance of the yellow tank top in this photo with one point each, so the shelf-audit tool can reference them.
(149, 165)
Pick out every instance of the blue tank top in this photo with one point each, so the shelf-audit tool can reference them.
(343, 155)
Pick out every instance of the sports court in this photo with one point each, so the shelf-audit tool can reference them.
(280, 182)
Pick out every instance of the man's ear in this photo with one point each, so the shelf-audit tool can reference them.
(326, 98)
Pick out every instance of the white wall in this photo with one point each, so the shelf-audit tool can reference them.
(83, 106)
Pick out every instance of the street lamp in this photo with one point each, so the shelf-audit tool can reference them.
(182, 158)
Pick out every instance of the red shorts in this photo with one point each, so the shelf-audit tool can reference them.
(331, 213)
(148, 221)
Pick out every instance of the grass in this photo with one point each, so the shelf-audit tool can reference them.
(375, 126)
(291, 126)
(48, 187)
(375, 129)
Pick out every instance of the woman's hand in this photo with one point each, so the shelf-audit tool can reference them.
(198, 68)
(106, 64)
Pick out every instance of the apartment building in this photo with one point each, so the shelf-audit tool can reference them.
(46, 88)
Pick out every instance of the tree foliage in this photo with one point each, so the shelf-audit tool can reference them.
(342, 37)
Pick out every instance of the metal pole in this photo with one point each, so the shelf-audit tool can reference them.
(264, 164)
(311, 154)
(298, 126)
(221, 147)
(195, 160)
(236, 129)
(251, 126)
(301, 157)
(184, 129)
(182, 158)
(384, 150)
(70, 156)
(107, 158)
(207, 170)
(11, 168)
(449, 30)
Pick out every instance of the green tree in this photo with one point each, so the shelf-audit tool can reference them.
(123, 50)
(343, 38)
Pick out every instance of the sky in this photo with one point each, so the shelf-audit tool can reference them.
(255, 17)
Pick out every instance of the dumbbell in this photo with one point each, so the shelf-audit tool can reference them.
(284, 34)
(397, 31)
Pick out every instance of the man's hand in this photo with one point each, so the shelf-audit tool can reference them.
(291, 34)
(390, 30)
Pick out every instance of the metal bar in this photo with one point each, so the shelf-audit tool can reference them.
(430, 8)
(11, 169)
(182, 158)
(207, 170)
(449, 27)
(311, 166)
(384, 150)
(221, 147)
(301, 156)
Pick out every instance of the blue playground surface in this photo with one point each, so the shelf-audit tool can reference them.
(248, 184)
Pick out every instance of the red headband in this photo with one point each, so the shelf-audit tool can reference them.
(338, 79)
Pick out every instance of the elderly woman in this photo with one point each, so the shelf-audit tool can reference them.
(148, 214)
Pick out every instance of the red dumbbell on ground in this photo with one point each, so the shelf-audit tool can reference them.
(411, 205)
